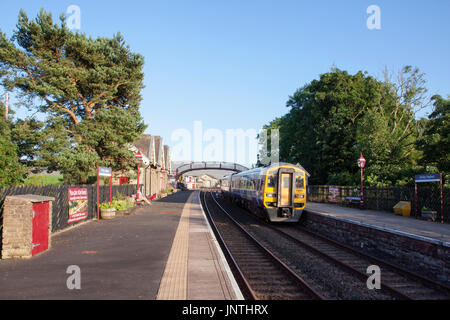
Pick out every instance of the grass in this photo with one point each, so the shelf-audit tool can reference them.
(44, 180)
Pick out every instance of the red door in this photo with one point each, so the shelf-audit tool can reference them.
(123, 180)
(40, 227)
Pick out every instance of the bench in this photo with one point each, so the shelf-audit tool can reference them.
(352, 200)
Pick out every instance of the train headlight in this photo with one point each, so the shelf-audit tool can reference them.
(271, 195)
(271, 204)
(300, 196)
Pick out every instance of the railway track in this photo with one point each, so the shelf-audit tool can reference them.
(395, 281)
(261, 275)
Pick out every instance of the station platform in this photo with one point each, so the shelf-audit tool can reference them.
(163, 251)
(384, 221)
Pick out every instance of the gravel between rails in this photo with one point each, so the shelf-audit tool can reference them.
(325, 277)
(268, 279)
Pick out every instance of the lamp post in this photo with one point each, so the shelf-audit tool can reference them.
(361, 164)
(138, 160)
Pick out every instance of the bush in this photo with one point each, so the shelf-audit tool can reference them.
(117, 204)
(107, 205)
(122, 205)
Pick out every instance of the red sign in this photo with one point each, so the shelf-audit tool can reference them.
(333, 194)
(78, 204)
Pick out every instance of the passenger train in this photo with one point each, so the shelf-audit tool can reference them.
(276, 193)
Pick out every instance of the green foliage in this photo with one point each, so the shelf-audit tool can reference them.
(11, 171)
(435, 142)
(117, 204)
(118, 196)
(333, 119)
(107, 205)
(88, 88)
(122, 205)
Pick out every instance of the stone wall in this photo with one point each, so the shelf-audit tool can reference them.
(17, 231)
(17, 228)
(427, 257)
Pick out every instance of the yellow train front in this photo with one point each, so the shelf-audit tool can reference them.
(276, 193)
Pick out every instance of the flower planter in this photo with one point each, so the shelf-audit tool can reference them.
(429, 215)
(125, 212)
(108, 214)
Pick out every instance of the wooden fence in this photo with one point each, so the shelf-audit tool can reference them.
(60, 214)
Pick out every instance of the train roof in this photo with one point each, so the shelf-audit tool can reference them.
(277, 164)
(273, 165)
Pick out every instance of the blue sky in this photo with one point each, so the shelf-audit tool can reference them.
(233, 64)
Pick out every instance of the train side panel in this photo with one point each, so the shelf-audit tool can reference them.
(276, 193)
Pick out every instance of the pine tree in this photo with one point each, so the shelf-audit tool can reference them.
(11, 171)
(89, 89)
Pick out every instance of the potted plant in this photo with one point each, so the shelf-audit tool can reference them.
(123, 207)
(107, 210)
(429, 214)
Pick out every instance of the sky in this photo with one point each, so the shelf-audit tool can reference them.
(234, 64)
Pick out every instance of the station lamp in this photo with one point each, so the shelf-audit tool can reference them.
(139, 159)
(362, 165)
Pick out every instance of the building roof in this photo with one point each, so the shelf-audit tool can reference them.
(207, 176)
(143, 144)
(167, 159)
(159, 151)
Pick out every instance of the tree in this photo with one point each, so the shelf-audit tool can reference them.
(389, 133)
(11, 171)
(435, 142)
(79, 83)
(27, 135)
(333, 119)
(267, 151)
(320, 129)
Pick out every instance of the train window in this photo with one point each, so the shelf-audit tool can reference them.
(299, 182)
(286, 181)
(272, 181)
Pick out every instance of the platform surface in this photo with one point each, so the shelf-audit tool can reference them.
(195, 269)
(125, 258)
(390, 222)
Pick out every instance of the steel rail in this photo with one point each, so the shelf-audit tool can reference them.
(245, 287)
(348, 268)
(311, 291)
(395, 268)
(368, 256)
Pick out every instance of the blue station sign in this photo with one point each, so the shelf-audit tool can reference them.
(435, 177)
(104, 172)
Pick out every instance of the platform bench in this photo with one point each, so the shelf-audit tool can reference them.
(352, 200)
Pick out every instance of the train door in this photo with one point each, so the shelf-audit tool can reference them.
(285, 182)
